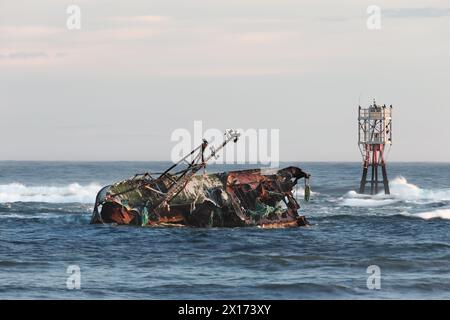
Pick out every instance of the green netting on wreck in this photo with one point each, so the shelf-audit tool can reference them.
(131, 193)
(198, 189)
(263, 210)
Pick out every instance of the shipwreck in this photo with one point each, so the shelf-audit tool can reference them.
(182, 196)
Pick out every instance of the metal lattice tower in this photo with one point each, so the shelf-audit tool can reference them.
(374, 134)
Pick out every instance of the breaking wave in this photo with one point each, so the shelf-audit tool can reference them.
(72, 193)
(442, 214)
(401, 190)
(353, 199)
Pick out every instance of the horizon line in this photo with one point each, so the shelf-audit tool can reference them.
(261, 164)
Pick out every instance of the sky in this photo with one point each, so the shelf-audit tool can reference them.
(135, 71)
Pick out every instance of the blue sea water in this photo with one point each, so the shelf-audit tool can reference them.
(45, 210)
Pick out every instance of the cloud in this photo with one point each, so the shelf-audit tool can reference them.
(396, 13)
(139, 19)
(24, 55)
(122, 34)
(28, 32)
(263, 37)
(417, 12)
(61, 55)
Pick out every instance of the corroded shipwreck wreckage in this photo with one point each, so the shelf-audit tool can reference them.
(181, 197)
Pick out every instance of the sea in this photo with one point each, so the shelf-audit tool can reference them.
(357, 247)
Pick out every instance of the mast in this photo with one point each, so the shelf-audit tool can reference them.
(180, 179)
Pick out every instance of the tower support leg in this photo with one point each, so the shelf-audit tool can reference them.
(362, 186)
(374, 158)
(385, 179)
(384, 171)
(375, 164)
(372, 181)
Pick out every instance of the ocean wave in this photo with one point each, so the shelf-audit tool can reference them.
(72, 193)
(401, 190)
(436, 214)
(353, 200)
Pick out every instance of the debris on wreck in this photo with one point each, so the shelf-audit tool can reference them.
(181, 197)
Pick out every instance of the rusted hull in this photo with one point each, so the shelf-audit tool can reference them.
(231, 199)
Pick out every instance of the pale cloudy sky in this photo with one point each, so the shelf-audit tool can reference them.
(137, 70)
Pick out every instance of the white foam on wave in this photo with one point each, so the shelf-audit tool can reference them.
(15, 192)
(354, 199)
(401, 190)
(351, 201)
(441, 213)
